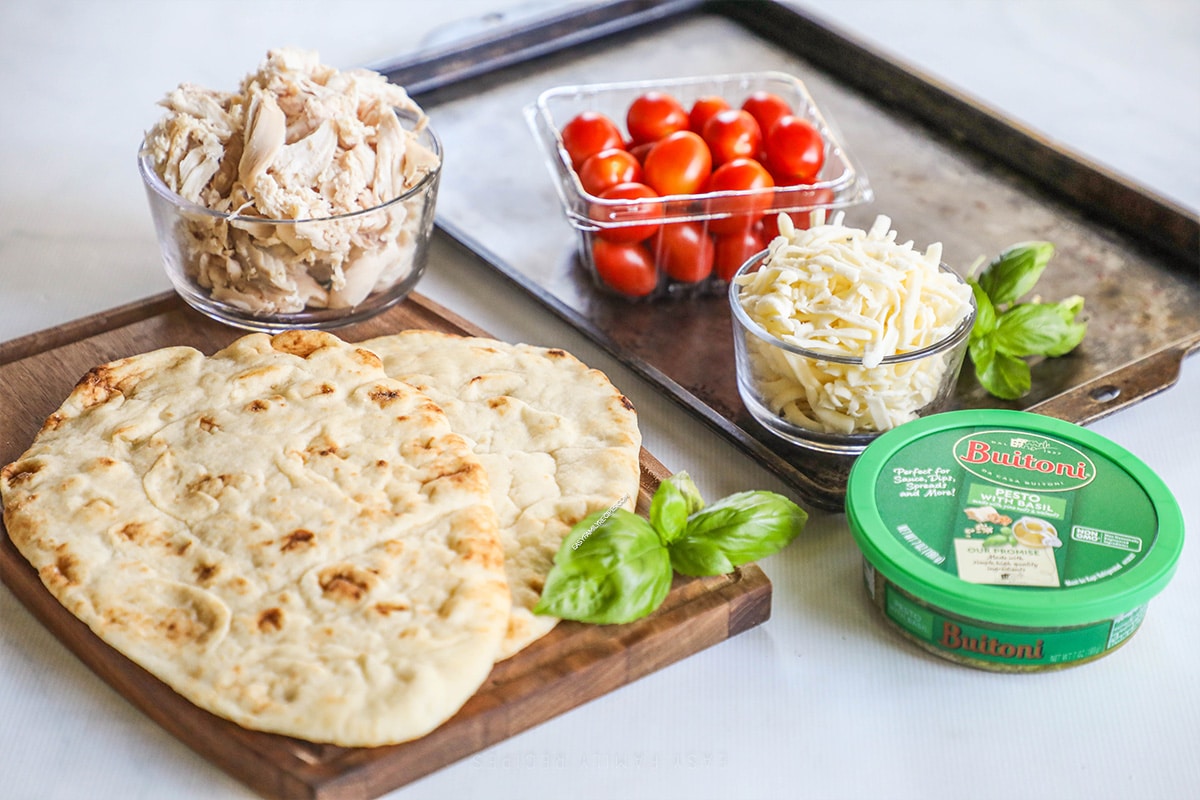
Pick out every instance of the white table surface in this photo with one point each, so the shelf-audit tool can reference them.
(822, 701)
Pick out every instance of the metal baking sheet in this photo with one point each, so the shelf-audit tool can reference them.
(943, 168)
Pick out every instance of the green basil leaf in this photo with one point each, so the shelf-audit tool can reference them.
(736, 530)
(1069, 310)
(982, 351)
(1014, 272)
(985, 312)
(674, 501)
(1002, 375)
(1037, 329)
(607, 571)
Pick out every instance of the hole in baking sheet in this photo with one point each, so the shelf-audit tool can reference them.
(1105, 394)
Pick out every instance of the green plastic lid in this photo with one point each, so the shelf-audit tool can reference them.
(1014, 518)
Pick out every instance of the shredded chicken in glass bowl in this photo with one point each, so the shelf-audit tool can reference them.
(303, 200)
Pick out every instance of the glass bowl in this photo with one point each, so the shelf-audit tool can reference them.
(270, 275)
(696, 222)
(796, 393)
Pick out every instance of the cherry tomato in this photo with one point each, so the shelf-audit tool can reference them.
(653, 116)
(740, 174)
(733, 250)
(731, 134)
(678, 164)
(627, 212)
(604, 170)
(587, 133)
(702, 111)
(685, 251)
(628, 268)
(640, 151)
(766, 108)
(795, 151)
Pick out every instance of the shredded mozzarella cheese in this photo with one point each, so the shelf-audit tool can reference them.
(851, 293)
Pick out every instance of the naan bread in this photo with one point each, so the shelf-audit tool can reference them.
(280, 532)
(558, 440)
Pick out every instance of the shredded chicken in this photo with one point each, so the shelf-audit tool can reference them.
(300, 146)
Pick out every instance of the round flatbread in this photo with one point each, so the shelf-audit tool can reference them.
(280, 532)
(558, 440)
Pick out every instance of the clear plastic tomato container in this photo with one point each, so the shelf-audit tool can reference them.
(695, 246)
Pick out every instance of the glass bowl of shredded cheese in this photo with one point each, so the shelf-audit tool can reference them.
(303, 199)
(841, 333)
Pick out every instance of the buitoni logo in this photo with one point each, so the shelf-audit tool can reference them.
(1023, 460)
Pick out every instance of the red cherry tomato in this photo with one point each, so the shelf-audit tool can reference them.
(628, 268)
(588, 133)
(627, 212)
(766, 108)
(795, 150)
(731, 134)
(654, 115)
(733, 250)
(640, 151)
(607, 168)
(678, 164)
(703, 110)
(685, 251)
(741, 174)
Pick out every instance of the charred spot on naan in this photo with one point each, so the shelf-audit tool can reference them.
(63, 571)
(21, 471)
(53, 422)
(97, 386)
(345, 583)
(384, 395)
(206, 573)
(261, 404)
(270, 620)
(321, 445)
(138, 532)
(299, 539)
(304, 343)
(483, 551)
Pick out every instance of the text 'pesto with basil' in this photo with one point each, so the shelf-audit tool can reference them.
(1011, 541)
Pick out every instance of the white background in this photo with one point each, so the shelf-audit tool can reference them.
(820, 702)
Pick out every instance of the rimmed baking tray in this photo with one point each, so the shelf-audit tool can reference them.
(943, 167)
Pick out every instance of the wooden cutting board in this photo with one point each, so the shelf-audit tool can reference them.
(573, 664)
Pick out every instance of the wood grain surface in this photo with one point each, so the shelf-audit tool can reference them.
(573, 664)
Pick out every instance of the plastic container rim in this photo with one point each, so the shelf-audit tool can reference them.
(541, 119)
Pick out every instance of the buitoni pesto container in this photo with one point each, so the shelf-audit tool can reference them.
(1011, 541)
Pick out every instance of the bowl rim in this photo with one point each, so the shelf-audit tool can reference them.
(948, 342)
(151, 179)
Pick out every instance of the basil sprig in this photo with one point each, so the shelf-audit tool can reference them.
(1007, 331)
(615, 566)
